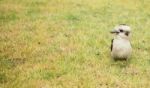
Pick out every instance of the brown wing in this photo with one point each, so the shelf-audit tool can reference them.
(111, 44)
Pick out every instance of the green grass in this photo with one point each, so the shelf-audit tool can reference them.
(66, 44)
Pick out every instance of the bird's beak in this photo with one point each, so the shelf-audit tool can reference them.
(114, 31)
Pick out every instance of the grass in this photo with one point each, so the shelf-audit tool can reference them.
(66, 44)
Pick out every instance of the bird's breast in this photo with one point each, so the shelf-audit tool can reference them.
(121, 48)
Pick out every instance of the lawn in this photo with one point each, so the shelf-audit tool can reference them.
(66, 44)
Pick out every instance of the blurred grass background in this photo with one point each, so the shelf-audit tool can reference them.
(66, 44)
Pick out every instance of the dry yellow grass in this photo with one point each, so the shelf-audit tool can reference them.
(65, 44)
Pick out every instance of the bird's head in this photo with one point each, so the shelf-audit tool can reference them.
(122, 30)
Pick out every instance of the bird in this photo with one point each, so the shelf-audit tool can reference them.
(121, 48)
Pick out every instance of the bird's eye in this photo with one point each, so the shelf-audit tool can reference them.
(120, 30)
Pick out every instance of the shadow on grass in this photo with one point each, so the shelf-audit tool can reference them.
(120, 63)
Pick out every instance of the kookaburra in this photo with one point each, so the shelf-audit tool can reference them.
(120, 46)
